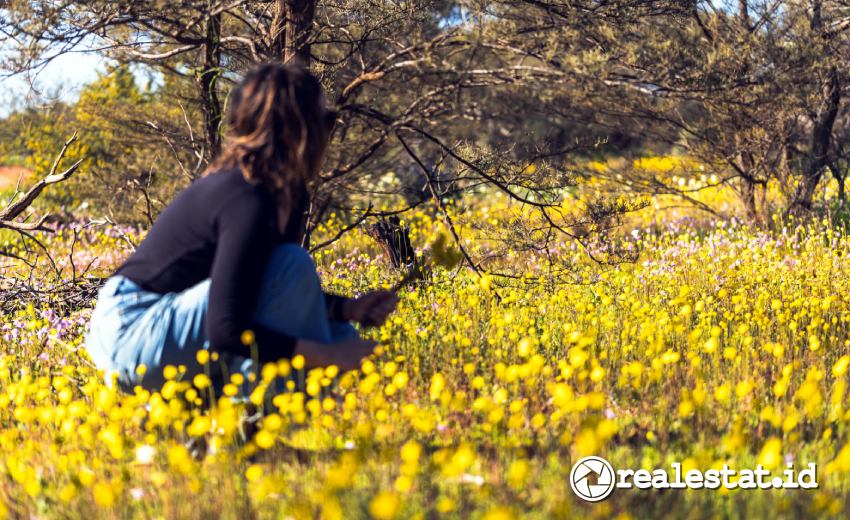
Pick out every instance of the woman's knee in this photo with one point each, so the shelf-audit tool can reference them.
(291, 300)
(292, 262)
(342, 331)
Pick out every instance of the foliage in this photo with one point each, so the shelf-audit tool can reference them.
(126, 137)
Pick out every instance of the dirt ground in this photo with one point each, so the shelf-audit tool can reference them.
(9, 176)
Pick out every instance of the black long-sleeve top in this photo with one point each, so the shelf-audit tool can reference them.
(224, 228)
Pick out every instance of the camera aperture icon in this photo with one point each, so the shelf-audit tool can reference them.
(592, 478)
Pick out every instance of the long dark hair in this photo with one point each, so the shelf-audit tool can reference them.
(279, 130)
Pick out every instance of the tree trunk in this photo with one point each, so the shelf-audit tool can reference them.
(291, 29)
(820, 141)
(207, 85)
(749, 200)
(822, 125)
(299, 25)
(747, 189)
(817, 15)
(744, 13)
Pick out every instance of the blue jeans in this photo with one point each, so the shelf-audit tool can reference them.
(132, 327)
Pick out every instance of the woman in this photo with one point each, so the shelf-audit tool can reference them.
(221, 269)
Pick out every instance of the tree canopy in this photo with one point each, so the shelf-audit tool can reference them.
(450, 96)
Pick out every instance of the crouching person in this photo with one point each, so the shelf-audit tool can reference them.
(222, 263)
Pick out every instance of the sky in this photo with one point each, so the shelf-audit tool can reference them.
(62, 78)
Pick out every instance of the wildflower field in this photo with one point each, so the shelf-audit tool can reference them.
(720, 344)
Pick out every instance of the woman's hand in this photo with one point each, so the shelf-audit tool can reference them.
(346, 355)
(371, 309)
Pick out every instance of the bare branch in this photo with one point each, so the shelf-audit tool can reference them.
(8, 215)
